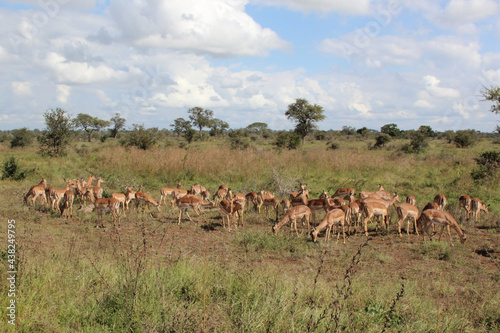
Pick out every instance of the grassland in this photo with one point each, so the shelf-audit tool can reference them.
(152, 275)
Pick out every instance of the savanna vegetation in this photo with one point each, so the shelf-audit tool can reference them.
(152, 275)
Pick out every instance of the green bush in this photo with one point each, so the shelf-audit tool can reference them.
(11, 170)
(141, 138)
(286, 139)
(239, 139)
(488, 162)
(466, 138)
(381, 140)
(22, 137)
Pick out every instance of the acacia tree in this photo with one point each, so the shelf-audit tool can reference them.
(56, 137)
(181, 126)
(493, 94)
(305, 115)
(200, 118)
(218, 127)
(89, 123)
(118, 124)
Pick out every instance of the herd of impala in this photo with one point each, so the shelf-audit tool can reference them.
(342, 208)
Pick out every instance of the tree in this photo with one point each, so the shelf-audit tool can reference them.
(118, 124)
(200, 118)
(348, 130)
(218, 127)
(391, 129)
(89, 123)
(22, 137)
(305, 115)
(492, 94)
(260, 129)
(180, 126)
(381, 140)
(55, 138)
(426, 131)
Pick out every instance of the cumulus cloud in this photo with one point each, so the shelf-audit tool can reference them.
(355, 7)
(432, 86)
(220, 27)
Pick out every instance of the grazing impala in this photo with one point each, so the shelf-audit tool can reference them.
(440, 199)
(318, 204)
(188, 201)
(252, 197)
(465, 202)
(285, 203)
(141, 196)
(298, 212)
(332, 218)
(67, 205)
(406, 210)
(477, 206)
(440, 218)
(36, 191)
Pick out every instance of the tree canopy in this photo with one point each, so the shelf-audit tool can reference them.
(89, 123)
(305, 115)
(200, 118)
(118, 123)
(56, 137)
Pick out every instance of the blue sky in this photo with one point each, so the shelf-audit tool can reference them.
(367, 63)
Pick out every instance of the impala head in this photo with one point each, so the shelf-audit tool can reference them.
(396, 197)
(314, 235)
(486, 208)
(463, 238)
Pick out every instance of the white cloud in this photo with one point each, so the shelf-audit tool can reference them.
(21, 88)
(63, 93)
(468, 11)
(220, 27)
(354, 7)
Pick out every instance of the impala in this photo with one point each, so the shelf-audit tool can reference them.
(122, 198)
(440, 218)
(440, 199)
(318, 204)
(465, 202)
(167, 191)
(196, 189)
(129, 195)
(228, 209)
(58, 195)
(253, 198)
(410, 199)
(186, 202)
(178, 194)
(267, 201)
(97, 189)
(36, 191)
(344, 192)
(301, 199)
(355, 211)
(406, 210)
(365, 194)
(285, 203)
(431, 205)
(371, 209)
(477, 206)
(104, 205)
(67, 205)
(141, 196)
(332, 218)
(302, 189)
(298, 212)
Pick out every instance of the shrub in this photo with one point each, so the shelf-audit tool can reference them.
(239, 139)
(488, 162)
(286, 139)
(333, 145)
(464, 139)
(419, 142)
(381, 140)
(141, 138)
(11, 170)
(22, 138)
